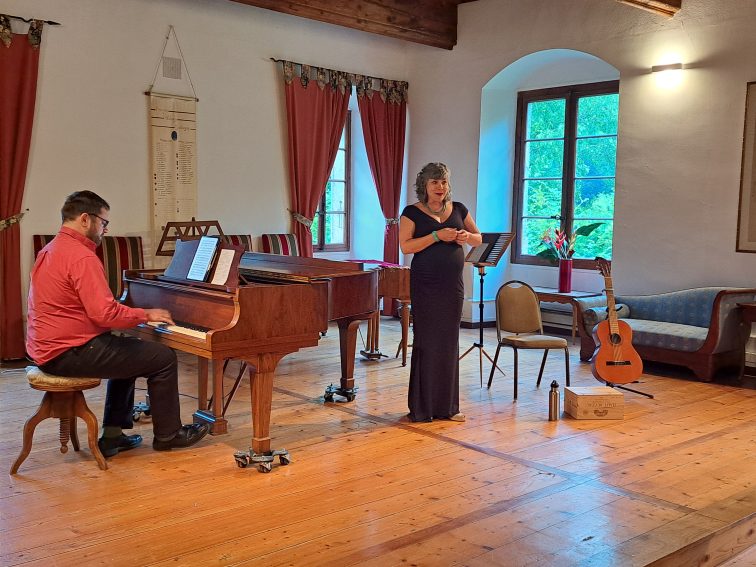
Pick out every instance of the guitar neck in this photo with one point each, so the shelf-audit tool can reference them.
(610, 306)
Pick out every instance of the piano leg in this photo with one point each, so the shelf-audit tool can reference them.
(212, 416)
(261, 370)
(347, 344)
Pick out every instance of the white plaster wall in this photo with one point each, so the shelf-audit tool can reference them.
(679, 151)
(90, 126)
(678, 157)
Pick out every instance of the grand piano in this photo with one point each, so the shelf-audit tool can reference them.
(281, 305)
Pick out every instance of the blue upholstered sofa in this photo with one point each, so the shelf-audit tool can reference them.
(697, 328)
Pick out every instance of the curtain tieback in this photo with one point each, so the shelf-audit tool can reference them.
(391, 222)
(301, 219)
(10, 221)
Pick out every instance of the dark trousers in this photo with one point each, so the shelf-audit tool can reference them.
(122, 360)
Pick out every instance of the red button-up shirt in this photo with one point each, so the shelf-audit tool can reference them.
(69, 298)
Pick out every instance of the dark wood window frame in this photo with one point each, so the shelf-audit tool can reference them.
(321, 211)
(571, 94)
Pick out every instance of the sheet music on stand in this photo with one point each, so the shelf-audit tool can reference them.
(491, 250)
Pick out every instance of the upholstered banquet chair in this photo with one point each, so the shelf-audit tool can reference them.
(518, 325)
(285, 244)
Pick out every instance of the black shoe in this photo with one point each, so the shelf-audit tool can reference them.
(187, 436)
(111, 446)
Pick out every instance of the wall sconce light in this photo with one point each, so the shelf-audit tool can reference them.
(667, 67)
(668, 76)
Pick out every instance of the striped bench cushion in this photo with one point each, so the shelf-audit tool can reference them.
(284, 244)
(117, 253)
(243, 240)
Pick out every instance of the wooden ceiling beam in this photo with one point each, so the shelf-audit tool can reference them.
(429, 22)
(664, 7)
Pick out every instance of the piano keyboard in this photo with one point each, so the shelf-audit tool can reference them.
(179, 329)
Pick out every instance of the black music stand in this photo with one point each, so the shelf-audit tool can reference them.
(487, 254)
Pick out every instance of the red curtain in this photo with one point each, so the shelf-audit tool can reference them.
(316, 113)
(19, 63)
(384, 119)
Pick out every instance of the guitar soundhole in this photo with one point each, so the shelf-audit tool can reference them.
(615, 338)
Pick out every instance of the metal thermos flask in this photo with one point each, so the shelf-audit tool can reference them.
(554, 401)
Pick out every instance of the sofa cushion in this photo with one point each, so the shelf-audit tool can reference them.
(674, 336)
(686, 307)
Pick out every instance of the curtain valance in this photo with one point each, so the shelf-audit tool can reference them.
(393, 92)
(34, 34)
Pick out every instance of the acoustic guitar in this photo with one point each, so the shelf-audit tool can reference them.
(615, 360)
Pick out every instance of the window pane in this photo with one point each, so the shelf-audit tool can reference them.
(314, 229)
(532, 234)
(597, 243)
(335, 229)
(597, 115)
(594, 198)
(542, 198)
(544, 159)
(545, 119)
(596, 157)
(334, 196)
(339, 167)
(342, 141)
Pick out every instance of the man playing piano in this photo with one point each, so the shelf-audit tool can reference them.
(71, 312)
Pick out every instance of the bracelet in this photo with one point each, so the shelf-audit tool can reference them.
(435, 236)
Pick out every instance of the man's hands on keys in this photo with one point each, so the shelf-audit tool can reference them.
(158, 316)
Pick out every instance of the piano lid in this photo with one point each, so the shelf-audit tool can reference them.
(296, 268)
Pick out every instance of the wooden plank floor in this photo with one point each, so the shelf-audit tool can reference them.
(674, 483)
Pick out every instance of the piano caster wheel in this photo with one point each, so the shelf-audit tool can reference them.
(349, 393)
(264, 461)
(242, 459)
(141, 408)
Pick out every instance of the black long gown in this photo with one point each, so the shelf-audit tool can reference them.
(437, 294)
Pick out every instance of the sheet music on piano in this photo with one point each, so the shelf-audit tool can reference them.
(203, 259)
(491, 249)
(208, 258)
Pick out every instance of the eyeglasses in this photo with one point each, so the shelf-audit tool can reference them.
(105, 223)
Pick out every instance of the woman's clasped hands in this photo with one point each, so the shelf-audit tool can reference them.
(453, 235)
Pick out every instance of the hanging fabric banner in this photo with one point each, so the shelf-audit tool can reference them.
(173, 143)
(173, 147)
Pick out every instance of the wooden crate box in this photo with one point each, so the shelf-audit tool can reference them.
(594, 402)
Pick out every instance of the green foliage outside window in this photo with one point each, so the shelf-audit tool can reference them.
(332, 211)
(593, 183)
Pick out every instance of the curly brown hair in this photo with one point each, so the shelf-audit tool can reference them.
(433, 170)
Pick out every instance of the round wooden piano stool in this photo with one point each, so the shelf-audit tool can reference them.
(64, 400)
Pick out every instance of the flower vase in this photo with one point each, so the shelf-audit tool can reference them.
(565, 276)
